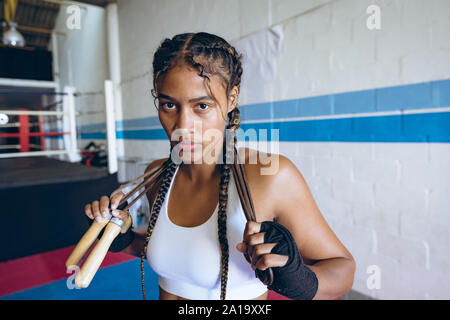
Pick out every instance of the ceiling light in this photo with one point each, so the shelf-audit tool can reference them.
(12, 37)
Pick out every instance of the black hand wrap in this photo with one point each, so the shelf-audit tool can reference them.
(294, 280)
(122, 241)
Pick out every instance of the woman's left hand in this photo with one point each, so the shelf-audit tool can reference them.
(258, 251)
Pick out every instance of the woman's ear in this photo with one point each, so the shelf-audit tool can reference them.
(232, 99)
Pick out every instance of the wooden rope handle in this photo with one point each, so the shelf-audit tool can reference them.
(97, 255)
(94, 260)
(88, 240)
(85, 243)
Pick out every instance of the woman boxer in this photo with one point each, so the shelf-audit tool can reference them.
(198, 236)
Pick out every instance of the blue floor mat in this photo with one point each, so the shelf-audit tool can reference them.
(118, 282)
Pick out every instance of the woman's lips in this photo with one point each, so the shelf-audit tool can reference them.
(188, 146)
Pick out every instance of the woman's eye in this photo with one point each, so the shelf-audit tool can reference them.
(167, 105)
(203, 106)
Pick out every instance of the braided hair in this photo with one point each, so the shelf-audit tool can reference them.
(210, 55)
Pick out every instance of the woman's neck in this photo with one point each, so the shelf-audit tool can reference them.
(200, 174)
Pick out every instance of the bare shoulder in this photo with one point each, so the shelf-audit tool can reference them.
(268, 176)
(286, 197)
(154, 164)
(151, 194)
(264, 167)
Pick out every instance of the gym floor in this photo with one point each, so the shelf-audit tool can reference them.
(44, 198)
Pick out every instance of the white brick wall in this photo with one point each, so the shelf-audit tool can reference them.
(387, 202)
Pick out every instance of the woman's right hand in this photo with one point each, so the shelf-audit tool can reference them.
(100, 210)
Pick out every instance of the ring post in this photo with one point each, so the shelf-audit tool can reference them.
(110, 127)
(71, 140)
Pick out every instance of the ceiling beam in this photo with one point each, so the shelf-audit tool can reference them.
(66, 2)
(98, 3)
(34, 29)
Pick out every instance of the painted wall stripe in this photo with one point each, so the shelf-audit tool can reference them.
(414, 127)
(338, 109)
(427, 127)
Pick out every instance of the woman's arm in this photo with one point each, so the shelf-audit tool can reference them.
(295, 209)
(328, 271)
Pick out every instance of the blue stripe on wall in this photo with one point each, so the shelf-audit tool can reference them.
(151, 134)
(434, 94)
(93, 136)
(425, 127)
(422, 127)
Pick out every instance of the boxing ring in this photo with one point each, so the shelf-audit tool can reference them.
(19, 118)
(43, 185)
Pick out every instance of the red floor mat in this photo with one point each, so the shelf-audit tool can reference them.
(39, 269)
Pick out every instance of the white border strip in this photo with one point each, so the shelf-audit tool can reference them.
(10, 146)
(34, 113)
(32, 153)
(28, 83)
(352, 115)
(141, 128)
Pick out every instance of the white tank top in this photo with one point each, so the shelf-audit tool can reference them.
(187, 259)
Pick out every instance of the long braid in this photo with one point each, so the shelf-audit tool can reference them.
(168, 174)
(222, 226)
(228, 153)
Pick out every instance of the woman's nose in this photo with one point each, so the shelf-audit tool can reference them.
(184, 118)
(185, 122)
